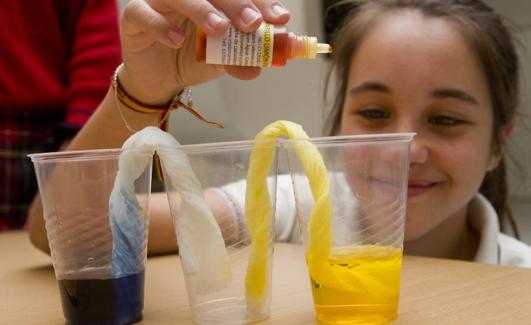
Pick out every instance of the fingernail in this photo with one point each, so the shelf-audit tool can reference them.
(214, 19)
(279, 10)
(175, 38)
(249, 15)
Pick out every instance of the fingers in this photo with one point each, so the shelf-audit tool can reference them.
(214, 16)
(139, 18)
(273, 11)
(247, 15)
(201, 12)
(244, 15)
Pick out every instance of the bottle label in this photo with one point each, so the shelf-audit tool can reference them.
(244, 49)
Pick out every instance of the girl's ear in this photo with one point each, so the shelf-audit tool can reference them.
(497, 153)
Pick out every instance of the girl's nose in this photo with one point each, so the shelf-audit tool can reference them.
(420, 152)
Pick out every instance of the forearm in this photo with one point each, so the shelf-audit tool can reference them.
(161, 238)
(107, 129)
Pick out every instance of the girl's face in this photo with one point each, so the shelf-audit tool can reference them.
(418, 74)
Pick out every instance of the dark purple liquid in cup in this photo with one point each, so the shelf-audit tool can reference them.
(103, 302)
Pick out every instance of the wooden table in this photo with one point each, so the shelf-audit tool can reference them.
(433, 291)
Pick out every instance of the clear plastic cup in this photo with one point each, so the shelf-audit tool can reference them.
(95, 286)
(354, 256)
(221, 169)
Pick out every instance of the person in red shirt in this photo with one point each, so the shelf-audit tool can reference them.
(56, 62)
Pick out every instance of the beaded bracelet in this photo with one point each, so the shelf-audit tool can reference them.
(123, 97)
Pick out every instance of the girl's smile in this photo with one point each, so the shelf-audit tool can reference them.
(419, 187)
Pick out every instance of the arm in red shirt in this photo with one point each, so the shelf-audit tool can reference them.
(95, 53)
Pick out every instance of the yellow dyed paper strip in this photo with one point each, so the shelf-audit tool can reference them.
(258, 209)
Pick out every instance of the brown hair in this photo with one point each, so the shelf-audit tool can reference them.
(348, 21)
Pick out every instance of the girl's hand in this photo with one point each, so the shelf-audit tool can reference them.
(159, 42)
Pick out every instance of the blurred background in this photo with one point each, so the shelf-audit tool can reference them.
(296, 93)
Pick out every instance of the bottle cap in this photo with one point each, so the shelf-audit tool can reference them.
(324, 48)
(313, 48)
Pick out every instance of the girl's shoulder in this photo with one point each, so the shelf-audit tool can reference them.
(513, 252)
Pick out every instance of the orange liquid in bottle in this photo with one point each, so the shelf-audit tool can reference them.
(201, 41)
(282, 46)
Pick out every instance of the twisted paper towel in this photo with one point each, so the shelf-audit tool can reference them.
(200, 241)
(258, 208)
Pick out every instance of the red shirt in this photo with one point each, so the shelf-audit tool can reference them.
(57, 55)
(56, 61)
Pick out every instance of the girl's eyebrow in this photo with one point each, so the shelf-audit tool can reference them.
(455, 93)
(369, 86)
(437, 93)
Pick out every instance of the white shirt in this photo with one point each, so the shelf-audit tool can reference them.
(286, 228)
(494, 246)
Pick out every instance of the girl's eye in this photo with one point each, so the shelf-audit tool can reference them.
(374, 114)
(445, 121)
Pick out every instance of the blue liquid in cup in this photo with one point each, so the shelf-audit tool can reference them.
(103, 302)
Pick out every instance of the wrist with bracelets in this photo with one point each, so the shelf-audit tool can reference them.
(121, 96)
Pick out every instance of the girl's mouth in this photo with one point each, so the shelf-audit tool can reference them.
(416, 188)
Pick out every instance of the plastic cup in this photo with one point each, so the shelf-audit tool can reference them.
(222, 168)
(75, 188)
(357, 279)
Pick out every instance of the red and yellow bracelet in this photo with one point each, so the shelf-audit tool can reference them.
(136, 105)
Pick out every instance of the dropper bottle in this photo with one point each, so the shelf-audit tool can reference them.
(270, 45)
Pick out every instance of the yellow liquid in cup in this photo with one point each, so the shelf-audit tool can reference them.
(368, 283)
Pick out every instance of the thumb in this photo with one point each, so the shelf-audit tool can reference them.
(243, 73)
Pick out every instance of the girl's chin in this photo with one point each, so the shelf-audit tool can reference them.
(421, 218)
(412, 234)
(411, 237)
